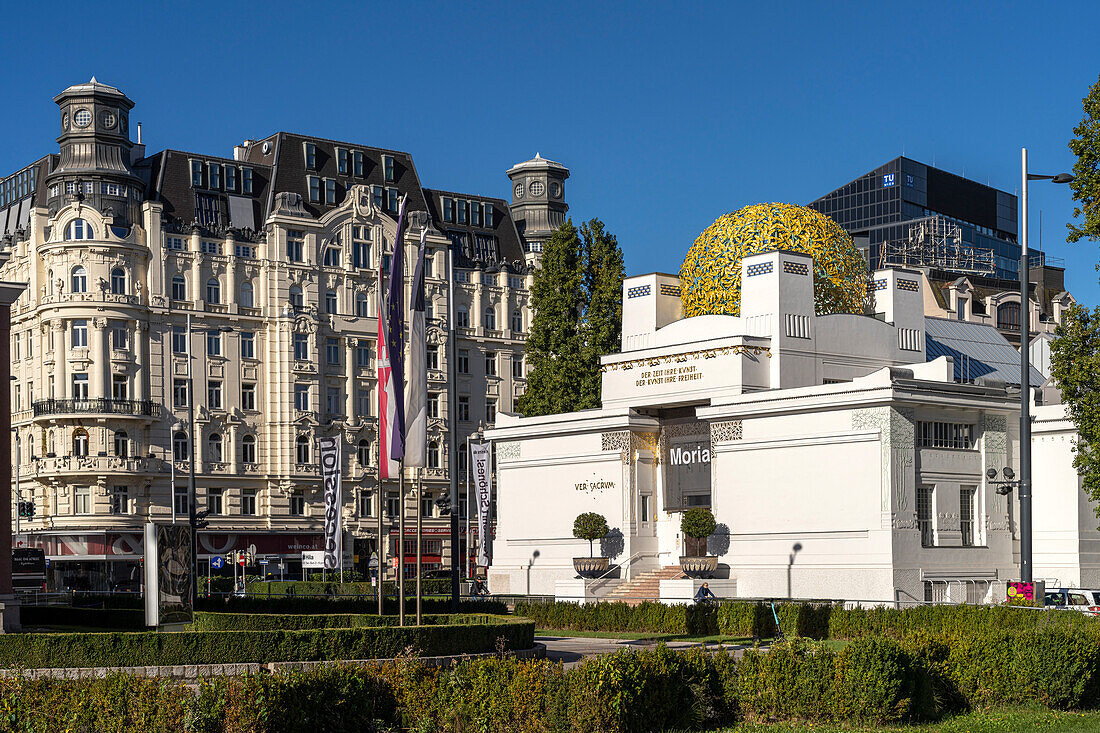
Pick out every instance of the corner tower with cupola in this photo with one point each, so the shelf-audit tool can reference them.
(538, 202)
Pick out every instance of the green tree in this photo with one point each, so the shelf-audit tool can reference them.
(1075, 351)
(577, 301)
(1086, 171)
(590, 526)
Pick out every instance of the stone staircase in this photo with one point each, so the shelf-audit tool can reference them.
(645, 586)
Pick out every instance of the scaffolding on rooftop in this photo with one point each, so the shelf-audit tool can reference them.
(937, 243)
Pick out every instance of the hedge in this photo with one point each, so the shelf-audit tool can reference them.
(651, 617)
(947, 619)
(433, 587)
(121, 649)
(293, 605)
(207, 621)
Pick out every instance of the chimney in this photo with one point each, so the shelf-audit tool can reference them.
(138, 150)
(899, 299)
(240, 151)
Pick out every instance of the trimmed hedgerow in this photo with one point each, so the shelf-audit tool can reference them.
(646, 617)
(434, 586)
(952, 620)
(207, 621)
(298, 605)
(120, 649)
(754, 618)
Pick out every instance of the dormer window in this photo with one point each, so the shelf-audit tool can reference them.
(230, 178)
(214, 170)
(342, 161)
(488, 216)
(196, 174)
(246, 181)
(357, 158)
(311, 156)
(448, 209)
(475, 213)
(387, 163)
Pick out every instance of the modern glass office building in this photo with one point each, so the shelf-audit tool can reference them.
(904, 210)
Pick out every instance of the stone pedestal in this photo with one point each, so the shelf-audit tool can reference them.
(683, 590)
(9, 607)
(584, 590)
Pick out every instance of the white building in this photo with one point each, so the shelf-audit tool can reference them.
(838, 460)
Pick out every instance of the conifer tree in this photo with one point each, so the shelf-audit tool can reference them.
(602, 327)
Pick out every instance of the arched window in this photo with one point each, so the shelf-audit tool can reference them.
(248, 449)
(118, 281)
(1008, 316)
(247, 301)
(80, 280)
(179, 446)
(214, 447)
(361, 305)
(80, 442)
(302, 449)
(433, 454)
(490, 317)
(363, 452)
(79, 229)
(122, 444)
(517, 320)
(462, 316)
(295, 296)
(49, 283)
(213, 291)
(179, 288)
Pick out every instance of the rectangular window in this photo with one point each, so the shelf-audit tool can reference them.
(427, 503)
(230, 178)
(362, 402)
(248, 345)
(120, 338)
(333, 403)
(330, 302)
(210, 248)
(393, 503)
(314, 189)
(332, 351)
(246, 181)
(966, 514)
(516, 283)
(357, 161)
(179, 393)
(80, 334)
(248, 501)
(366, 503)
(462, 276)
(248, 396)
(433, 357)
(393, 199)
(342, 161)
(387, 164)
(120, 500)
(213, 343)
(463, 361)
(120, 387)
(475, 213)
(330, 190)
(182, 507)
(490, 363)
(433, 404)
(301, 397)
(362, 356)
(214, 501)
(333, 256)
(377, 193)
(294, 244)
(298, 504)
(924, 516)
(490, 411)
(959, 436)
(463, 408)
(301, 346)
(244, 250)
(214, 171)
(196, 174)
(214, 394)
(448, 209)
(517, 367)
(360, 246)
(463, 211)
(82, 500)
(176, 243)
(311, 156)
(179, 340)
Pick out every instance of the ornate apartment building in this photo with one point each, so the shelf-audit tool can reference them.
(258, 273)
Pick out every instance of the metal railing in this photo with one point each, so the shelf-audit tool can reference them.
(99, 406)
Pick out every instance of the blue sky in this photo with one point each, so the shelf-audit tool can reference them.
(668, 115)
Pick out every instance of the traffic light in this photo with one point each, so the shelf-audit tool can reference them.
(444, 504)
(200, 519)
(26, 509)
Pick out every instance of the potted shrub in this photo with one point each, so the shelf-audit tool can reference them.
(590, 526)
(696, 525)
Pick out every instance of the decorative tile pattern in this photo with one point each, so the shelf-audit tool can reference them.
(508, 451)
(880, 285)
(639, 291)
(725, 432)
(762, 268)
(911, 285)
(673, 290)
(795, 268)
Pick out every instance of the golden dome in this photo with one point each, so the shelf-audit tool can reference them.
(710, 277)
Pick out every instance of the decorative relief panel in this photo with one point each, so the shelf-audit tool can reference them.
(725, 432)
(897, 431)
(508, 451)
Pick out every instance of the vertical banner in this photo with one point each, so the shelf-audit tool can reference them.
(416, 396)
(330, 479)
(479, 455)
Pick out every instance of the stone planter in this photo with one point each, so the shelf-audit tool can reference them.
(699, 567)
(591, 567)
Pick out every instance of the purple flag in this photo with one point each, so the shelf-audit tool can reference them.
(395, 332)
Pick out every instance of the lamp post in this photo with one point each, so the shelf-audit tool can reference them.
(1026, 568)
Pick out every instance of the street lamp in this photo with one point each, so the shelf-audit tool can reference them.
(1025, 369)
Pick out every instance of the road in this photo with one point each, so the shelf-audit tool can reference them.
(570, 650)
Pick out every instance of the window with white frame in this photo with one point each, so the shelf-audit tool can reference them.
(214, 394)
(214, 448)
(362, 452)
(433, 404)
(298, 504)
(490, 363)
(490, 411)
(79, 229)
(301, 445)
(301, 399)
(179, 287)
(463, 408)
(247, 295)
(924, 516)
(248, 396)
(248, 449)
(301, 346)
(330, 302)
(248, 344)
(462, 316)
(213, 291)
(314, 189)
(82, 500)
(118, 281)
(248, 502)
(120, 500)
(180, 447)
(366, 503)
(966, 515)
(213, 343)
(122, 444)
(179, 393)
(295, 244)
(463, 365)
(80, 333)
(214, 503)
(79, 280)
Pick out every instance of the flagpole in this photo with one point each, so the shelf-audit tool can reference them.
(419, 546)
(469, 537)
(401, 546)
(452, 425)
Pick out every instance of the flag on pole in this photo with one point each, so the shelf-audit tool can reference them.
(416, 399)
(395, 336)
(388, 401)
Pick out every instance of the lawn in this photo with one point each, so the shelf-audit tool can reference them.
(1000, 720)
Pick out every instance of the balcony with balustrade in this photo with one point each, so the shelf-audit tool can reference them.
(59, 408)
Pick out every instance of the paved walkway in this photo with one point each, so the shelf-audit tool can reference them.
(570, 650)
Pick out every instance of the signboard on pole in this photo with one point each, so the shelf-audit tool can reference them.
(313, 559)
(168, 574)
(479, 455)
(28, 568)
(330, 477)
(217, 562)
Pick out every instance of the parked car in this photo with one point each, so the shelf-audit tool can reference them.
(1084, 600)
(436, 574)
